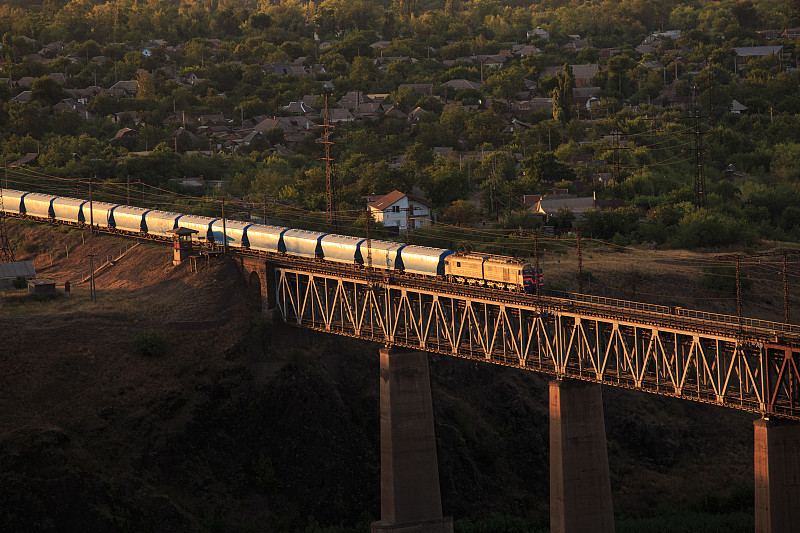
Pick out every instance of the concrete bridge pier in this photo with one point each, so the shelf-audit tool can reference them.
(777, 476)
(580, 484)
(410, 495)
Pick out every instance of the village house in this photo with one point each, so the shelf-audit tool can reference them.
(463, 85)
(539, 33)
(298, 108)
(534, 105)
(745, 53)
(421, 89)
(124, 89)
(368, 110)
(583, 74)
(353, 99)
(402, 211)
(549, 204)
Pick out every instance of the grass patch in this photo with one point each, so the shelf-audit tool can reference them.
(689, 522)
(148, 343)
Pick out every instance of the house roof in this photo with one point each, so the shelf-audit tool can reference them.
(747, 51)
(24, 160)
(419, 88)
(737, 106)
(549, 205)
(462, 84)
(392, 198)
(126, 132)
(298, 107)
(353, 99)
(16, 269)
(23, 97)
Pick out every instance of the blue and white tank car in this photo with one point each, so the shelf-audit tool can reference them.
(473, 268)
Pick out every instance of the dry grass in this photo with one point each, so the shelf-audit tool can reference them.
(672, 277)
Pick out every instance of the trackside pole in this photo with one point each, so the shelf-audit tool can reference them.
(410, 497)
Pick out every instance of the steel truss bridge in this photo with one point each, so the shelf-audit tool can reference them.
(745, 364)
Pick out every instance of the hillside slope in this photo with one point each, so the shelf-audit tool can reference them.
(222, 432)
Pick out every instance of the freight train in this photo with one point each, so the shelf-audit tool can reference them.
(471, 268)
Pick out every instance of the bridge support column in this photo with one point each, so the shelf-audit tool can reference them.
(580, 484)
(410, 497)
(777, 475)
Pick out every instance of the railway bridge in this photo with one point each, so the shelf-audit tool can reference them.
(582, 342)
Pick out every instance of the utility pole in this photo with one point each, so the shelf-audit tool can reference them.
(265, 209)
(129, 189)
(91, 211)
(615, 136)
(329, 178)
(739, 290)
(6, 252)
(368, 220)
(785, 288)
(536, 262)
(224, 230)
(580, 264)
(785, 275)
(92, 290)
(699, 179)
(408, 210)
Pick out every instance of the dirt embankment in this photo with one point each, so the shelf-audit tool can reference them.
(218, 431)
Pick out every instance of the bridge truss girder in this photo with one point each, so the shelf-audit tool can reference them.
(760, 377)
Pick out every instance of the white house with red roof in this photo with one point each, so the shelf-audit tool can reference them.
(397, 209)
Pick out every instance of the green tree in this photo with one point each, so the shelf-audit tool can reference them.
(47, 90)
(363, 72)
(562, 95)
(461, 213)
(445, 184)
(505, 83)
(543, 166)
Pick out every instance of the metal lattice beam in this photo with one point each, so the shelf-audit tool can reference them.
(756, 373)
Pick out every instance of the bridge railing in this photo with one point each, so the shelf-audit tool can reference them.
(705, 316)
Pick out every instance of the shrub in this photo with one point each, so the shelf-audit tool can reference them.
(148, 344)
(722, 278)
(704, 229)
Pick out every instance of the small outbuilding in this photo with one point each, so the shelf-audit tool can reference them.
(42, 287)
(10, 272)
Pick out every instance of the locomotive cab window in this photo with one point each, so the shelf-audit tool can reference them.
(458, 263)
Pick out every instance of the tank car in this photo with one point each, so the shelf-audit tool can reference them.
(68, 210)
(12, 201)
(129, 218)
(385, 254)
(158, 223)
(38, 205)
(422, 260)
(235, 233)
(266, 238)
(199, 223)
(303, 243)
(98, 214)
(342, 249)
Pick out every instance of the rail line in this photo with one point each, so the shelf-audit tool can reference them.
(747, 364)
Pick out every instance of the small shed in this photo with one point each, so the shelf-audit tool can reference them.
(9, 272)
(182, 244)
(42, 287)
